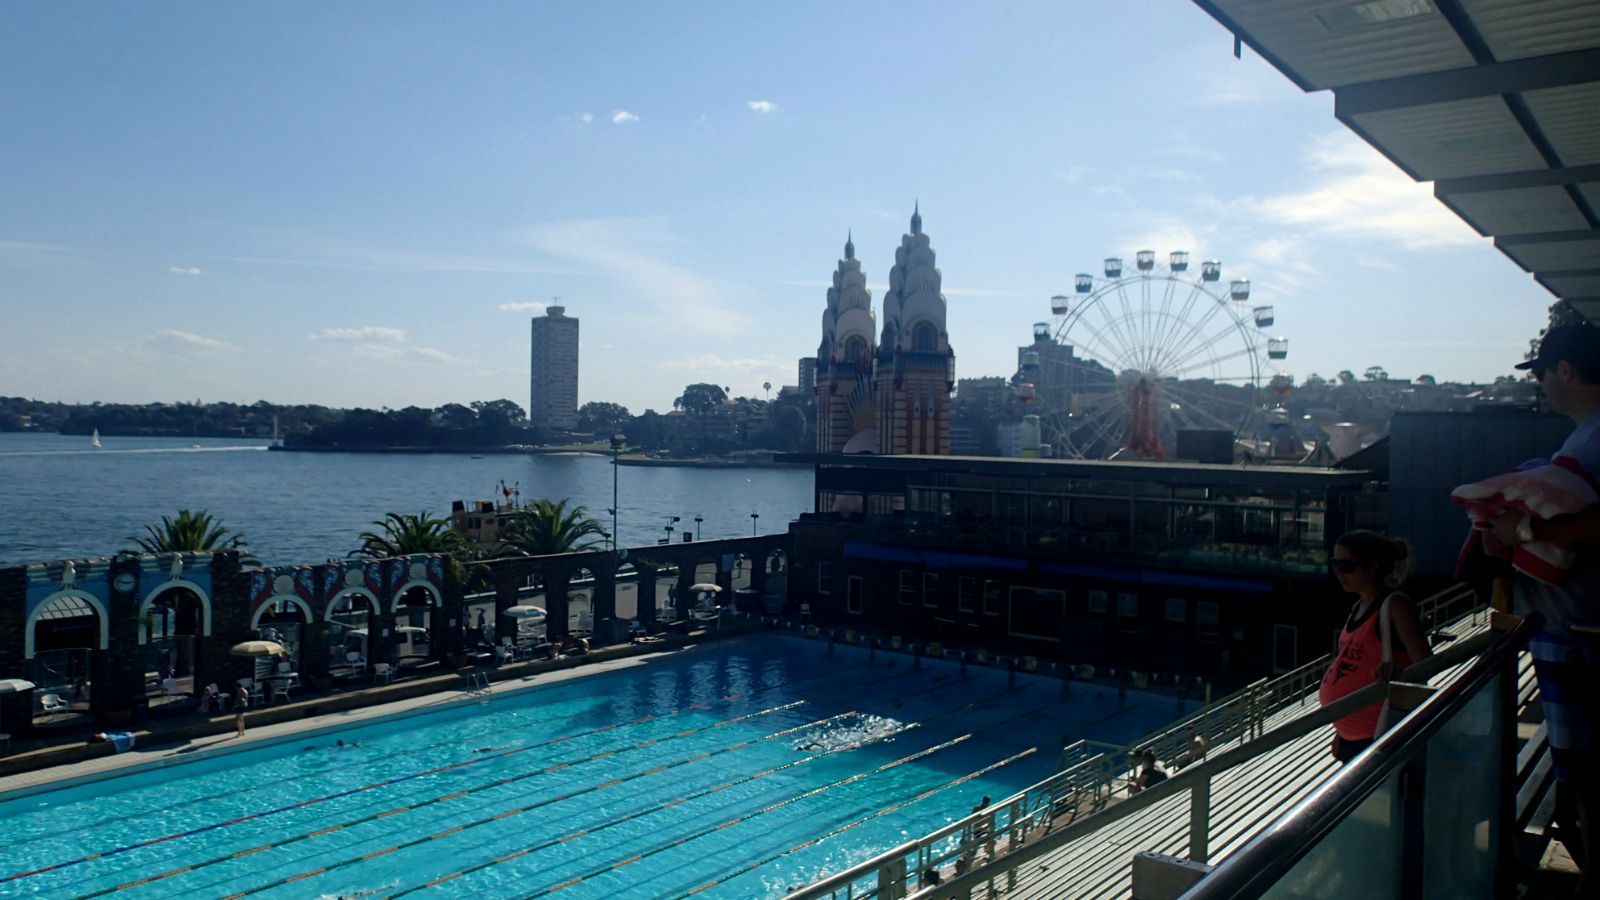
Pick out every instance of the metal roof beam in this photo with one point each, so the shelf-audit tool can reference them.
(1547, 237)
(1508, 181)
(1485, 80)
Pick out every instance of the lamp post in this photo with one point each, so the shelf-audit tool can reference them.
(697, 521)
(753, 517)
(669, 525)
(616, 451)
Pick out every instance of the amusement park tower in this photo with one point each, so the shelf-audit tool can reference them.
(916, 369)
(846, 415)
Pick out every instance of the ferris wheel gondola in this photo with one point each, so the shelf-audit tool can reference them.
(1145, 351)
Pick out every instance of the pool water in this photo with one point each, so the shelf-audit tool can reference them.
(737, 770)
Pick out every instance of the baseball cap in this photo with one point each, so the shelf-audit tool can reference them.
(1577, 344)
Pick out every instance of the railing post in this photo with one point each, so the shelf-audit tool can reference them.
(892, 879)
(1410, 801)
(1200, 821)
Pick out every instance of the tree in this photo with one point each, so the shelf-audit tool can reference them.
(700, 398)
(789, 425)
(456, 417)
(190, 532)
(1346, 377)
(544, 527)
(402, 534)
(1314, 380)
(1375, 373)
(600, 418)
(1427, 379)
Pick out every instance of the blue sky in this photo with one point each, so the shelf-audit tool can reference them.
(362, 204)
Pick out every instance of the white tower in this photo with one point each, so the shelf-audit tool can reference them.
(846, 414)
(916, 369)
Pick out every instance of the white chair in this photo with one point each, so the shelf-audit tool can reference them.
(356, 662)
(383, 671)
(169, 687)
(254, 689)
(53, 703)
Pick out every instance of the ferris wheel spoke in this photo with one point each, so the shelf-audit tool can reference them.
(1107, 345)
(1213, 360)
(1210, 342)
(1195, 408)
(1178, 354)
(1146, 324)
(1129, 341)
(1164, 322)
(1177, 329)
(1192, 394)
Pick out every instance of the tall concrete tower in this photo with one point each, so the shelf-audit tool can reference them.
(846, 415)
(916, 368)
(553, 387)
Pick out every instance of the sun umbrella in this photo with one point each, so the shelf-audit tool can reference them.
(409, 629)
(15, 685)
(257, 648)
(706, 586)
(526, 612)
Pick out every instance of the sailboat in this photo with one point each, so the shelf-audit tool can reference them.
(94, 439)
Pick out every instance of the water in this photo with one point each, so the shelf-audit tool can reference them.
(64, 499)
(710, 767)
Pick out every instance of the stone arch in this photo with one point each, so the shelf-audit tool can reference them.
(777, 561)
(743, 570)
(434, 598)
(924, 337)
(53, 601)
(276, 599)
(627, 581)
(362, 592)
(176, 584)
(580, 599)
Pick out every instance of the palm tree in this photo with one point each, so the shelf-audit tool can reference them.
(190, 532)
(544, 527)
(403, 534)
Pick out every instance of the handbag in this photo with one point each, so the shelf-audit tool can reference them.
(1386, 713)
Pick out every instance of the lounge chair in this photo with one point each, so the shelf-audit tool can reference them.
(52, 703)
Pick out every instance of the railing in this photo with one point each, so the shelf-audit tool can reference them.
(1091, 773)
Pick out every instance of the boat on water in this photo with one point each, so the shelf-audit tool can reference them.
(94, 439)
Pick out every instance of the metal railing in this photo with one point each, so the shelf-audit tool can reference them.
(1092, 772)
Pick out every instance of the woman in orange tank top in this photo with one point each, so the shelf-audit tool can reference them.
(1370, 566)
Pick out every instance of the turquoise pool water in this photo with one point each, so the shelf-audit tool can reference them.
(713, 772)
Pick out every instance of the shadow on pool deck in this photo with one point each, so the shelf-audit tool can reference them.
(39, 760)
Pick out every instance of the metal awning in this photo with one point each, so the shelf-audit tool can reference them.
(1497, 102)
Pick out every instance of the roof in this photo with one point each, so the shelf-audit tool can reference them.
(1494, 101)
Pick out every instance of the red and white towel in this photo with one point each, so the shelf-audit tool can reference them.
(1544, 492)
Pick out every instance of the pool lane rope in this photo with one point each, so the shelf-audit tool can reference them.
(706, 792)
(368, 761)
(389, 782)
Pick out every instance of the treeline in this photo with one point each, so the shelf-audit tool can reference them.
(483, 423)
(254, 420)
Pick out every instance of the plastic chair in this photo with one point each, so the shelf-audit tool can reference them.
(249, 686)
(52, 703)
(169, 688)
(356, 661)
(382, 670)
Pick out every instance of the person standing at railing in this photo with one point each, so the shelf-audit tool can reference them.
(1566, 651)
(1381, 635)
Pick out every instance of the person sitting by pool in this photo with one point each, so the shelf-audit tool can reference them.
(1151, 772)
(208, 700)
(119, 740)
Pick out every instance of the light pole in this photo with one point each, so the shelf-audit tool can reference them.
(669, 525)
(697, 521)
(616, 451)
(753, 517)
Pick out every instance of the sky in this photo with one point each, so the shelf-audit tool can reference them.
(362, 204)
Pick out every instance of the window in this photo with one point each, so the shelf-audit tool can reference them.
(1099, 602)
(908, 587)
(852, 594)
(991, 597)
(1177, 609)
(1205, 620)
(824, 577)
(967, 594)
(1128, 612)
(1037, 613)
(930, 589)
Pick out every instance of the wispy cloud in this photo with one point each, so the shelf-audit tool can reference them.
(171, 340)
(641, 255)
(531, 306)
(878, 289)
(1073, 174)
(762, 106)
(623, 117)
(31, 247)
(364, 333)
(183, 270)
(318, 251)
(711, 362)
(1357, 193)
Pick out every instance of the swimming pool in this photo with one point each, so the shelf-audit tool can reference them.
(734, 770)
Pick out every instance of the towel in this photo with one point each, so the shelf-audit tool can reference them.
(121, 741)
(1542, 490)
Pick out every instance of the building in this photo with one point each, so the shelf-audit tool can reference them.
(808, 375)
(847, 417)
(553, 385)
(1180, 568)
(916, 369)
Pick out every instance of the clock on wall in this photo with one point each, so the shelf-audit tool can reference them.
(124, 582)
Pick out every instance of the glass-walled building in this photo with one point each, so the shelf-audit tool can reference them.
(1180, 567)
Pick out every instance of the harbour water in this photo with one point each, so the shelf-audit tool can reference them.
(62, 498)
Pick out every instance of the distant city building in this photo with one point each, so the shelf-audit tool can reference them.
(916, 369)
(847, 416)
(553, 386)
(808, 374)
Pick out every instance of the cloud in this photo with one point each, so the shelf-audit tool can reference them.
(318, 251)
(363, 334)
(31, 247)
(711, 362)
(183, 270)
(586, 117)
(1357, 193)
(531, 306)
(1073, 174)
(641, 256)
(171, 340)
(762, 106)
(623, 117)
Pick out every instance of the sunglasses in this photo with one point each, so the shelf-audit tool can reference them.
(1345, 566)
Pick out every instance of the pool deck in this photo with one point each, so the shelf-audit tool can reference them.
(166, 742)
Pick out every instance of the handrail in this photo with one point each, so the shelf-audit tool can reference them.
(1088, 778)
(1271, 854)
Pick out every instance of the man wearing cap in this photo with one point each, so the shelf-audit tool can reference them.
(1566, 658)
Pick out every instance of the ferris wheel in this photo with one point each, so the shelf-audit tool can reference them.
(1133, 357)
